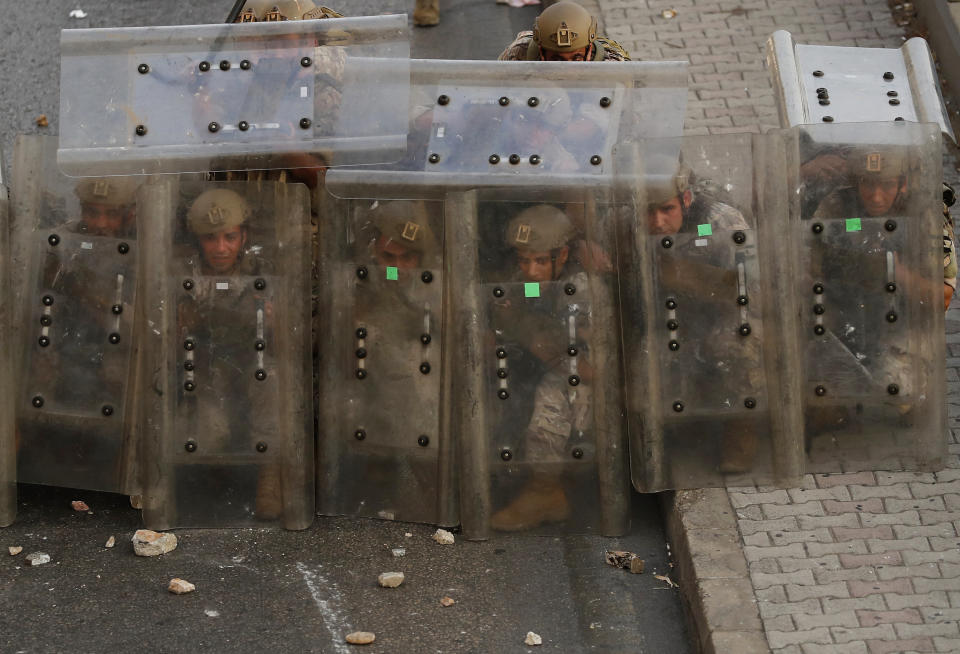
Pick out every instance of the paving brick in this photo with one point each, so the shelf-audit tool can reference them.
(802, 495)
(850, 547)
(766, 566)
(864, 588)
(797, 593)
(944, 530)
(900, 477)
(787, 551)
(873, 505)
(902, 518)
(779, 623)
(752, 512)
(928, 504)
(931, 615)
(884, 545)
(936, 517)
(924, 570)
(839, 520)
(829, 562)
(936, 599)
(802, 536)
(901, 491)
(949, 475)
(929, 490)
(753, 526)
(913, 558)
(857, 560)
(929, 585)
(847, 574)
(948, 629)
(801, 577)
(772, 594)
(759, 539)
(845, 533)
(854, 647)
(875, 602)
(946, 644)
(841, 619)
(774, 609)
(890, 646)
(906, 616)
(940, 544)
(845, 479)
(774, 511)
(845, 635)
(782, 638)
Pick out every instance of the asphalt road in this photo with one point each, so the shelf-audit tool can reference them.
(259, 590)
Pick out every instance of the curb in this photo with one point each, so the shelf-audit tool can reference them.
(718, 595)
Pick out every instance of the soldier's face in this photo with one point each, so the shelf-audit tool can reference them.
(390, 253)
(102, 219)
(573, 55)
(878, 195)
(221, 250)
(542, 266)
(667, 218)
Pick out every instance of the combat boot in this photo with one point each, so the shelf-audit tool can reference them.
(426, 13)
(541, 501)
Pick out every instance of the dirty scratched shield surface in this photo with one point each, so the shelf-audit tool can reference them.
(8, 458)
(869, 288)
(699, 320)
(233, 97)
(76, 263)
(228, 438)
(380, 402)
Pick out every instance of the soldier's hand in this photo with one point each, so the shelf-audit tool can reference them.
(824, 168)
(592, 257)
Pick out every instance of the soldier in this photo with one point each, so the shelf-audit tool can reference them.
(878, 186)
(222, 353)
(276, 10)
(564, 31)
(106, 206)
(426, 13)
(403, 235)
(685, 202)
(540, 237)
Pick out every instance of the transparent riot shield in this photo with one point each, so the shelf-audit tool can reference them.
(228, 438)
(829, 84)
(870, 295)
(75, 275)
(384, 448)
(8, 459)
(538, 406)
(703, 341)
(246, 96)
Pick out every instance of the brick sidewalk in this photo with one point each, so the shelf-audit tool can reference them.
(851, 563)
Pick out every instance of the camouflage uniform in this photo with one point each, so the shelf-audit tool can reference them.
(523, 48)
(564, 29)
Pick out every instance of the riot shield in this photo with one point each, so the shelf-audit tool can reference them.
(247, 96)
(537, 405)
(830, 84)
(227, 430)
(75, 268)
(703, 342)
(384, 450)
(8, 459)
(869, 295)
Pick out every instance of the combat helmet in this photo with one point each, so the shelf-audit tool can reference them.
(541, 228)
(564, 27)
(217, 210)
(406, 223)
(109, 191)
(274, 10)
(876, 162)
(661, 189)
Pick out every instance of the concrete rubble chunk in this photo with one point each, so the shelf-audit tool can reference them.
(443, 537)
(398, 551)
(626, 560)
(14, 550)
(447, 601)
(390, 579)
(532, 639)
(361, 637)
(79, 505)
(179, 586)
(110, 542)
(38, 558)
(152, 543)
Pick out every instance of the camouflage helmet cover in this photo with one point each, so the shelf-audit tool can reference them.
(879, 162)
(564, 27)
(109, 191)
(406, 223)
(216, 210)
(664, 188)
(275, 10)
(540, 228)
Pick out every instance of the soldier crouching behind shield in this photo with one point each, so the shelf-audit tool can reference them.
(231, 408)
(541, 238)
(107, 206)
(679, 206)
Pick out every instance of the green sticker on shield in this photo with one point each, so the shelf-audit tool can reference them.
(853, 224)
(531, 289)
(704, 230)
(392, 273)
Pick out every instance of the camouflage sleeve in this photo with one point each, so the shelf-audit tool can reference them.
(949, 251)
(517, 50)
(612, 51)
